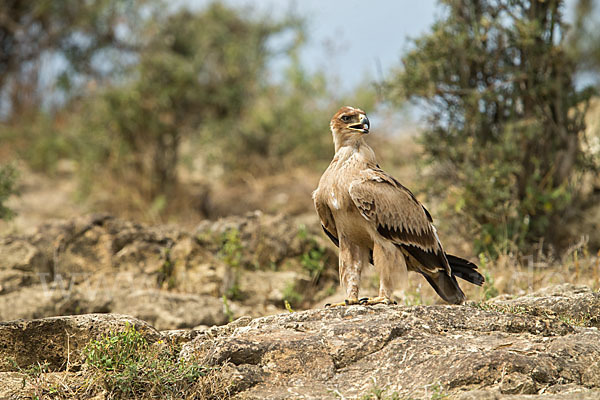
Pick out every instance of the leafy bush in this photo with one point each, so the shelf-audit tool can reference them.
(36, 139)
(196, 68)
(285, 126)
(145, 90)
(504, 118)
(202, 82)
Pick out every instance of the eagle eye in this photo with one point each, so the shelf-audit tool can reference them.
(345, 118)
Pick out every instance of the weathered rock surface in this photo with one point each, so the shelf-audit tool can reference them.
(573, 303)
(169, 277)
(417, 351)
(496, 350)
(60, 340)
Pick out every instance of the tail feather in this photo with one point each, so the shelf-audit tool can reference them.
(446, 286)
(465, 269)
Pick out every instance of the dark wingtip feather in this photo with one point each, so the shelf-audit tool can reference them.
(446, 287)
(465, 269)
(331, 236)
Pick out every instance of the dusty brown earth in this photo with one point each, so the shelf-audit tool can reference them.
(545, 345)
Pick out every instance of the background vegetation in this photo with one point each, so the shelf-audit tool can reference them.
(157, 108)
(505, 137)
(8, 176)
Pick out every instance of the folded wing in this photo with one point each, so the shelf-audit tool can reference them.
(400, 218)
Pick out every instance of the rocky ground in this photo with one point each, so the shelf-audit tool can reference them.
(544, 345)
(164, 275)
(70, 282)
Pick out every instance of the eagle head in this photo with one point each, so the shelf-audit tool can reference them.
(349, 121)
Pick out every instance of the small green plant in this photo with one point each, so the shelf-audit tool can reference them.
(227, 309)
(582, 320)
(501, 308)
(127, 366)
(33, 372)
(118, 351)
(231, 248)
(231, 254)
(330, 291)
(378, 393)
(8, 178)
(489, 290)
(313, 259)
(413, 298)
(165, 273)
(234, 292)
(302, 232)
(374, 281)
(437, 392)
(291, 294)
(36, 370)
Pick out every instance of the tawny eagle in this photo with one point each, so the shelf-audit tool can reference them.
(374, 219)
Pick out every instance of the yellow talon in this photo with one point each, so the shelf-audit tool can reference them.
(347, 302)
(369, 301)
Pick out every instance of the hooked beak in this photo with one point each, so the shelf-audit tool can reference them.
(363, 126)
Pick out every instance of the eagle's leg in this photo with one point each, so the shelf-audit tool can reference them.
(352, 260)
(388, 261)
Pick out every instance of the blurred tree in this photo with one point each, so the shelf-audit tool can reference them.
(72, 31)
(155, 80)
(504, 117)
(285, 125)
(197, 68)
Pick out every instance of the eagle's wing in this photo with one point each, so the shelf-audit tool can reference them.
(326, 217)
(399, 217)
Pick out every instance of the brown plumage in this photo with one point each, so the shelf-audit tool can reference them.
(373, 218)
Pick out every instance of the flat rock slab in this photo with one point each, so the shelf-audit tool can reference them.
(414, 352)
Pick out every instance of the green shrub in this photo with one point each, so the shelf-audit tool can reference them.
(184, 84)
(197, 72)
(505, 119)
